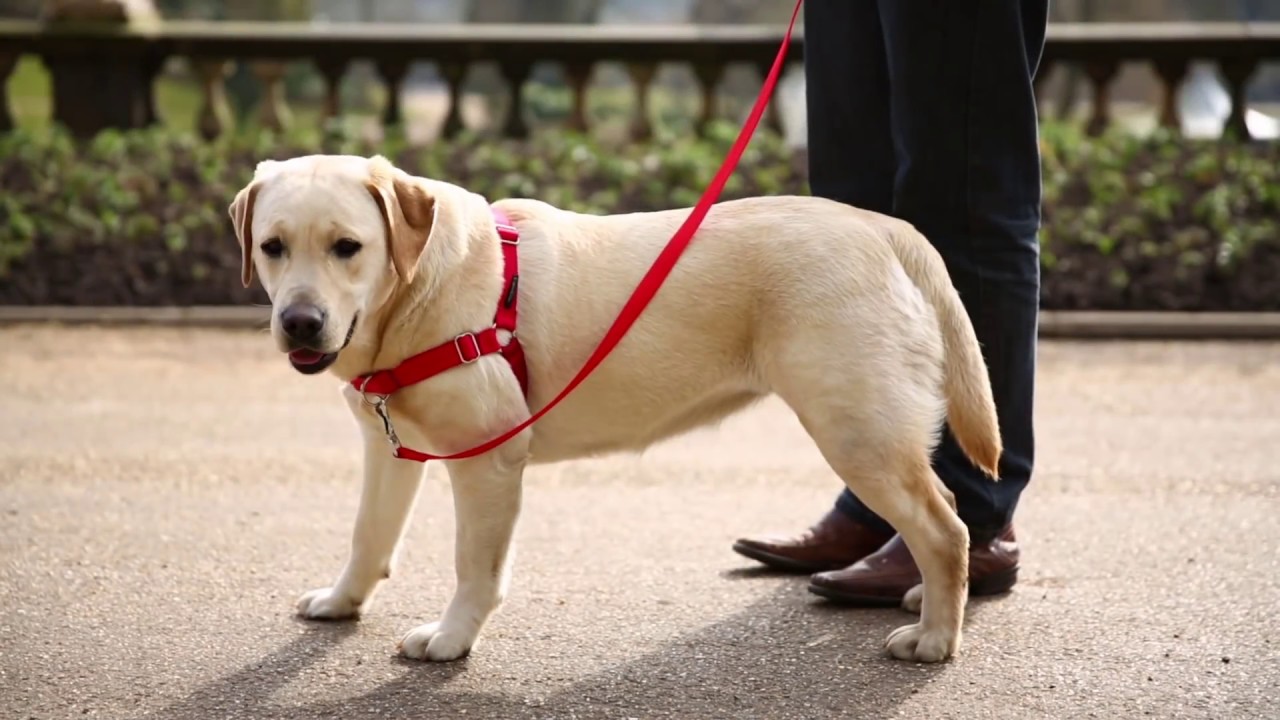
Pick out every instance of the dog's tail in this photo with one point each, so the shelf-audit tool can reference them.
(971, 411)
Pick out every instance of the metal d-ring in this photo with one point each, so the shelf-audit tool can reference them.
(379, 405)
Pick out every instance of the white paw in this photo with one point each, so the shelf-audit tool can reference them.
(325, 604)
(912, 642)
(914, 598)
(431, 642)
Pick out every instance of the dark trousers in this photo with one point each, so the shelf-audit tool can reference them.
(924, 109)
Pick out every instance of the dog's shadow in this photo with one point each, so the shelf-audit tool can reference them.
(786, 655)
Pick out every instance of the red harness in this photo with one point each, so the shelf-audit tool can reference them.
(461, 350)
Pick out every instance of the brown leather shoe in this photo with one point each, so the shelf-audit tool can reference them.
(836, 541)
(882, 578)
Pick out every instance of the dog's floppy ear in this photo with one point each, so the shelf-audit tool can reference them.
(408, 212)
(241, 211)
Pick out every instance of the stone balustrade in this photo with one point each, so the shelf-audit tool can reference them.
(104, 76)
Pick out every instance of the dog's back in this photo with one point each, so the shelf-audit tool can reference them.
(764, 279)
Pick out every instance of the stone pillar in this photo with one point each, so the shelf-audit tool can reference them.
(93, 88)
(244, 88)
(117, 11)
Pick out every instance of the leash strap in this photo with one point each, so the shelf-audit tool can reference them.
(657, 274)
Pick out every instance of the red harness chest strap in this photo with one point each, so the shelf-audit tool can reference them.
(463, 349)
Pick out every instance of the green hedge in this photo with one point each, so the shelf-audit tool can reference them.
(139, 218)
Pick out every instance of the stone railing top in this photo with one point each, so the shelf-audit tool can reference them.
(475, 32)
(254, 32)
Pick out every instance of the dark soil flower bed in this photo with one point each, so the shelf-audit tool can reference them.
(139, 218)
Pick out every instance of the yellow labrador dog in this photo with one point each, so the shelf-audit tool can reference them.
(848, 316)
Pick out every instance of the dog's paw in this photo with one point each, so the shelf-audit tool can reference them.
(435, 643)
(913, 642)
(326, 604)
(914, 598)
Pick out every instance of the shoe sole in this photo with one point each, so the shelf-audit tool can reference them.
(843, 598)
(785, 564)
(994, 584)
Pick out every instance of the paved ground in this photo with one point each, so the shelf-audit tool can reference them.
(165, 495)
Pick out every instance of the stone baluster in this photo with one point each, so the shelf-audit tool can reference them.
(579, 76)
(393, 73)
(152, 64)
(642, 77)
(708, 74)
(273, 109)
(1101, 73)
(332, 69)
(1237, 71)
(455, 73)
(516, 74)
(215, 114)
(1171, 72)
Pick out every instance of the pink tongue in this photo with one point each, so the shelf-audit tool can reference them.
(305, 357)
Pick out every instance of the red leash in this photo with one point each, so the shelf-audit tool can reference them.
(645, 290)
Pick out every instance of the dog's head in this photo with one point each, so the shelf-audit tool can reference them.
(330, 237)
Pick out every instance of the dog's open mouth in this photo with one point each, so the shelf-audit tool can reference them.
(309, 362)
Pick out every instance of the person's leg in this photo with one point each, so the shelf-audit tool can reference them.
(967, 173)
(849, 132)
(851, 160)
(850, 137)
(968, 177)
(967, 145)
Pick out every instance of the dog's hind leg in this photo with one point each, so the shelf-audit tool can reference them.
(914, 599)
(939, 542)
(902, 488)
(876, 428)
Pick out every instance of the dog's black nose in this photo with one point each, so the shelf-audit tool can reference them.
(302, 321)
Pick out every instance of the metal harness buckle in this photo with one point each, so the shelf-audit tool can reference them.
(477, 351)
(508, 234)
(379, 405)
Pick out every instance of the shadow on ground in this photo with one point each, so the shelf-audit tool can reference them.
(752, 664)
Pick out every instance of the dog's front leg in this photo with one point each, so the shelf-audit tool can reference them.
(390, 487)
(487, 493)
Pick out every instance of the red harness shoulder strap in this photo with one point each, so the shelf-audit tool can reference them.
(508, 304)
(467, 347)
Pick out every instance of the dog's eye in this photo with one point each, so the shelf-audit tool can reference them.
(273, 248)
(346, 247)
